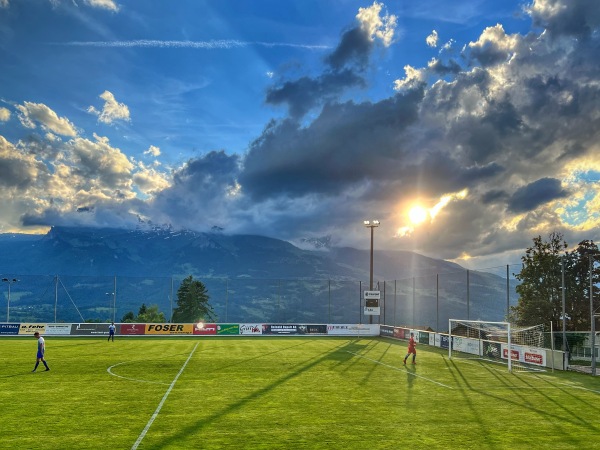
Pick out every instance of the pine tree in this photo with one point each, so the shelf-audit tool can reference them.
(192, 303)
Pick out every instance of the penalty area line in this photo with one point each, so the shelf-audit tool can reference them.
(160, 405)
(402, 370)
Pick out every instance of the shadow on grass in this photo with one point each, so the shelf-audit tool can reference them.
(528, 401)
(200, 424)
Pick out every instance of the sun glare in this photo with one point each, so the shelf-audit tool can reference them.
(417, 214)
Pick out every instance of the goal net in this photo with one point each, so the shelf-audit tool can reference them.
(495, 341)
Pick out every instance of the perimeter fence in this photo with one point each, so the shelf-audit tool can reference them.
(424, 301)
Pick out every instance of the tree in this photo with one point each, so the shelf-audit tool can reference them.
(192, 302)
(540, 288)
(151, 314)
(128, 318)
(146, 314)
(540, 291)
(577, 282)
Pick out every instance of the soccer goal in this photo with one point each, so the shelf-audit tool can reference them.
(495, 341)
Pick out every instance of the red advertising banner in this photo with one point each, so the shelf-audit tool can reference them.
(131, 329)
(399, 333)
(205, 328)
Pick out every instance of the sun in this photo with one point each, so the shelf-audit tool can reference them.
(417, 214)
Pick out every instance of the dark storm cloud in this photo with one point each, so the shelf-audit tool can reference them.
(305, 93)
(346, 63)
(354, 49)
(198, 197)
(440, 68)
(535, 194)
(489, 54)
(347, 143)
(577, 18)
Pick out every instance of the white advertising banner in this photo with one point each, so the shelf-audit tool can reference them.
(62, 329)
(353, 329)
(251, 328)
(524, 354)
(466, 345)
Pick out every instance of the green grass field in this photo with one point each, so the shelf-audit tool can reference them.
(282, 393)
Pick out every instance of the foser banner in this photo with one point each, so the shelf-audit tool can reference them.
(169, 328)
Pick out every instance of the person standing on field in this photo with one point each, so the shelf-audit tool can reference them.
(111, 331)
(411, 348)
(41, 349)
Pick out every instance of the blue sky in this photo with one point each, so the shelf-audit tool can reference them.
(299, 119)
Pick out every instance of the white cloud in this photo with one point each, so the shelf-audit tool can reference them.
(3, 3)
(103, 4)
(4, 114)
(375, 25)
(432, 39)
(153, 151)
(30, 113)
(111, 111)
(413, 77)
(149, 180)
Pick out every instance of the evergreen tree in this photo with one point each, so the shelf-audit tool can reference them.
(192, 302)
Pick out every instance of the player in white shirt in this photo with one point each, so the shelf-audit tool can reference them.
(41, 350)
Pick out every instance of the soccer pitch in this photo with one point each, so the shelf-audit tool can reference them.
(282, 393)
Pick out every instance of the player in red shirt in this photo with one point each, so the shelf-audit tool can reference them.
(411, 348)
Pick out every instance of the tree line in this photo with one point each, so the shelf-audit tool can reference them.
(544, 265)
(192, 306)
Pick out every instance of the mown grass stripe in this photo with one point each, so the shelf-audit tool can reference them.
(162, 402)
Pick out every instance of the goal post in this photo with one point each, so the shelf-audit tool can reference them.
(501, 342)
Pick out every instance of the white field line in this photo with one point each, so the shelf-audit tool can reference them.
(534, 374)
(109, 370)
(160, 405)
(401, 370)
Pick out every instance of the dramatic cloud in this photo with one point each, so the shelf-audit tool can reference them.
(535, 194)
(112, 110)
(496, 144)
(32, 113)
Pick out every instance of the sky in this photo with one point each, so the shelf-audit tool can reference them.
(466, 128)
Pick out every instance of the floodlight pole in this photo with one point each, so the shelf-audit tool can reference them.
(372, 224)
(9, 281)
(592, 315)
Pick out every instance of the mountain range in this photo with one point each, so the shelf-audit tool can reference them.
(73, 274)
